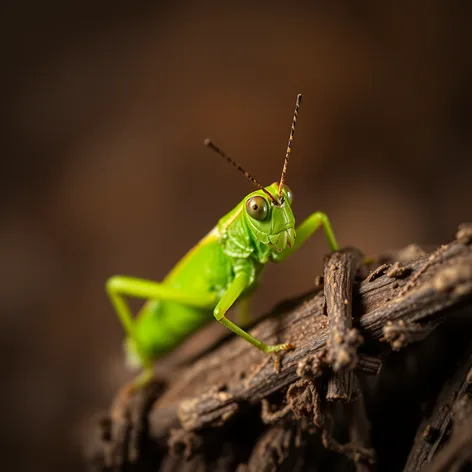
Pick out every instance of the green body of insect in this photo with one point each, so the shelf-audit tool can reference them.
(222, 268)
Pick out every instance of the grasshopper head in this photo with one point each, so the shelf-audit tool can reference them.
(268, 210)
(271, 219)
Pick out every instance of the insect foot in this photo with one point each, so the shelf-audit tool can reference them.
(279, 347)
(275, 351)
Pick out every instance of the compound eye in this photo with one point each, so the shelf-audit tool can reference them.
(257, 208)
(289, 193)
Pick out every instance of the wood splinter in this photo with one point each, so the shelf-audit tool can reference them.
(343, 339)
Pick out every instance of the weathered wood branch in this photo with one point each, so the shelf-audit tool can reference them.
(407, 297)
(343, 340)
(442, 285)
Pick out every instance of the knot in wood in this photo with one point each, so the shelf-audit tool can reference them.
(312, 366)
(182, 444)
(397, 270)
(402, 333)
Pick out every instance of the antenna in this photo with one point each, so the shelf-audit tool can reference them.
(289, 146)
(209, 143)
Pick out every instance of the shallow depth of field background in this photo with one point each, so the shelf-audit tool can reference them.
(103, 169)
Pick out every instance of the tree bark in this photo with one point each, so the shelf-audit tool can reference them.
(209, 412)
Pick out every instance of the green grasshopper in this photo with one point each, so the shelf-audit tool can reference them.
(221, 269)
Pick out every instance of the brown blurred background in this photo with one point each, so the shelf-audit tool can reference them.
(103, 169)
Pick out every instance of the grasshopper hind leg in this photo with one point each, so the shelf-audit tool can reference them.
(140, 349)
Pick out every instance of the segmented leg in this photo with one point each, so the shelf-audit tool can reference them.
(237, 287)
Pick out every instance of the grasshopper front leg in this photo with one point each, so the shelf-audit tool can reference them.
(238, 285)
(306, 229)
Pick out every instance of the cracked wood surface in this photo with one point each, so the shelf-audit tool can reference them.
(405, 298)
(444, 284)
